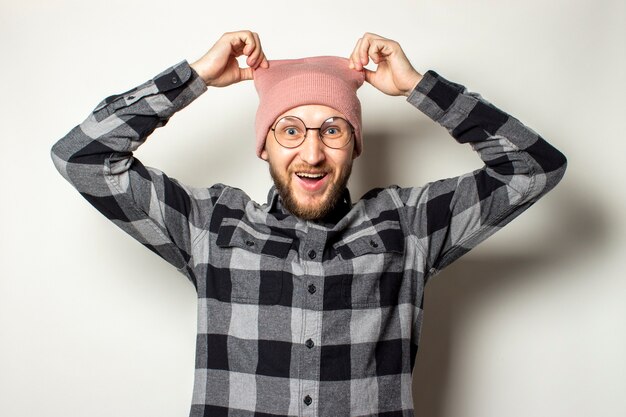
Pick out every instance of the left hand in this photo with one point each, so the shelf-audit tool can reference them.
(394, 75)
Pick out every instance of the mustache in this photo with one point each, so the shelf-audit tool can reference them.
(311, 168)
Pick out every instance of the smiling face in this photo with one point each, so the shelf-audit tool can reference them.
(312, 177)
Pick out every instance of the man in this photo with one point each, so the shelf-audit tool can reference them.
(309, 305)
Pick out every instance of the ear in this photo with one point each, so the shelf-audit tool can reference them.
(264, 155)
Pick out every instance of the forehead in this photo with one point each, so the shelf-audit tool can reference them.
(313, 113)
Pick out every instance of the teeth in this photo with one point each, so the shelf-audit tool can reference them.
(309, 175)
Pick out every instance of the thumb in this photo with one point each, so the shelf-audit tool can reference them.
(369, 75)
(245, 74)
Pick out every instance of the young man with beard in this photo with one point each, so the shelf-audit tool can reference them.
(308, 305)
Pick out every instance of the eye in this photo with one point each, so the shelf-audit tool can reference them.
(333, 132)
(289, 128)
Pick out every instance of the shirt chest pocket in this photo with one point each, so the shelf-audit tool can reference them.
(372, 269)
(250, 265)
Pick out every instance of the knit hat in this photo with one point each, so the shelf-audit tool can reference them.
(289, 83)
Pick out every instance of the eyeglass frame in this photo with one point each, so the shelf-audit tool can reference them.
(306, 131)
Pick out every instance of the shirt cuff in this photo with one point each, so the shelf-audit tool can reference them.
(434, 95)
(180, 84)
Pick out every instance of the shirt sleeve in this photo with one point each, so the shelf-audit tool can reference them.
(451, 216)
(96, 157)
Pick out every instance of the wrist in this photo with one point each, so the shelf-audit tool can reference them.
(414, 82)
(195, 67)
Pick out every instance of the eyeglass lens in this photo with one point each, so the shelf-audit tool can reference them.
(290, 132)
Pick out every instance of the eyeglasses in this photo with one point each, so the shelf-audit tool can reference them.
(290, 132)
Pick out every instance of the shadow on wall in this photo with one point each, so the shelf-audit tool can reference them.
(377, 167)
(461, 287)
(576, 232)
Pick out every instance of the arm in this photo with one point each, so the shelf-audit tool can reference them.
(96, 157)
(449, 217)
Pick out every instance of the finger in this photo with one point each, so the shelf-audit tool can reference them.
(354, 56)
(250, 43)
(264, 63)
(373, 36)
(243, 43)
(375, 54)
(378, 50)
(262, 59)
(378, 46)
(363, 48)
(253, 60)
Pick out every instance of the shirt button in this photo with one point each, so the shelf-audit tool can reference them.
(249, 243)
(174, 80)
(308, 400)
(312, 288)
(312, 254)
(130, 97)
(373, 244)
(309, 343)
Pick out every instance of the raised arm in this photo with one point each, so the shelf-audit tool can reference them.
(96, 157)
(449, 217)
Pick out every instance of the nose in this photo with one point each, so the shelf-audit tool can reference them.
(312, 149)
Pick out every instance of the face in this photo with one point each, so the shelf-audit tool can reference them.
(292, 169)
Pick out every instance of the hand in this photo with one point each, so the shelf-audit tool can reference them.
(394, 75)
(219, 66)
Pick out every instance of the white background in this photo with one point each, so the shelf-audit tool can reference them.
(530, 323)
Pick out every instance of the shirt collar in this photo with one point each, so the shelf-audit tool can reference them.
(276, 207)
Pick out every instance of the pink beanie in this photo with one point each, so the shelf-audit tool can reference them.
(289, 83)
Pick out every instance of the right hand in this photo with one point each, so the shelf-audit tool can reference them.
(219, 66)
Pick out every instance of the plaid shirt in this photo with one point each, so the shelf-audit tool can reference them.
(300, 318)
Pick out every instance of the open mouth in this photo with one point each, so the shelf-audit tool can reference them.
(311, 181)
(311, 175)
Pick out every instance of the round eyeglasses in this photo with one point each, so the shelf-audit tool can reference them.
(290, 132)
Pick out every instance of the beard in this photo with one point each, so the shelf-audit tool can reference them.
(312, 211)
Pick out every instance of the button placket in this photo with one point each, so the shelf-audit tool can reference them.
(311, 253)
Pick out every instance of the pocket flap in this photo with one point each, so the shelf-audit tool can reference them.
(388, 240)
(236, 233)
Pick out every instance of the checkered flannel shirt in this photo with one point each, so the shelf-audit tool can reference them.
(301, 318)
